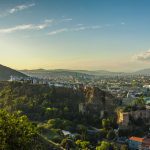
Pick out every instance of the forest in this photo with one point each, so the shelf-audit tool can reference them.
(34, 113)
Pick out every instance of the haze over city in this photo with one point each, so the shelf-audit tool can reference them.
(68, 34)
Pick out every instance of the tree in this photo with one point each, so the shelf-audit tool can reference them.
(82, 130)
(124, 147)
(139, 102)
(104, 146)
(67, 143)
(106, 123)
(16, 132)
(103, 133)
(111, 135)
(82, 144)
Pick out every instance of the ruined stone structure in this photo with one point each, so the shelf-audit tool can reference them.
(96, 101)
(124, 117)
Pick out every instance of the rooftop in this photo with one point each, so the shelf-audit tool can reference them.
(138, 139)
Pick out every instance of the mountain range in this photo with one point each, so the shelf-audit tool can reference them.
(66, 72)
(96, 72)
(143, 71)
(6, 72)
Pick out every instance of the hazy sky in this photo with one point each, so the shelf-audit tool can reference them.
(75, 34)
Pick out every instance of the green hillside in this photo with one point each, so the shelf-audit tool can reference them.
(54, 109)
(6, 72)
(25, 134)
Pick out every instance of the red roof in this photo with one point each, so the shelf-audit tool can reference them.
(138, 139)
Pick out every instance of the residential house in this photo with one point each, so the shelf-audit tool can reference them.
(146, 144)
(135, 143)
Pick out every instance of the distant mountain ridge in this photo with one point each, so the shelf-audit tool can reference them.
(41, 73)
(84, 72)
(6, 72)
(143, 71)
(38, 72)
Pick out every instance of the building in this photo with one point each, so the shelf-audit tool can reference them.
(124, 117)
(147, 100)
(146, 86)
(146, 144)
(135, 143)
(15, 78)
(34, 81)
(69, 134)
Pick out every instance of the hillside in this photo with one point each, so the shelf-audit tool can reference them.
(54, 109)
(143, 72)
(25, 133)
(6, 72)
(36, 100)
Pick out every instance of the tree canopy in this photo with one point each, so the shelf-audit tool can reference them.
(16, 132)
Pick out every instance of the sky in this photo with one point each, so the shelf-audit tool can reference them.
(75, 34)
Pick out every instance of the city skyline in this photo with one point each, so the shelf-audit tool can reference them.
(67, 34)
